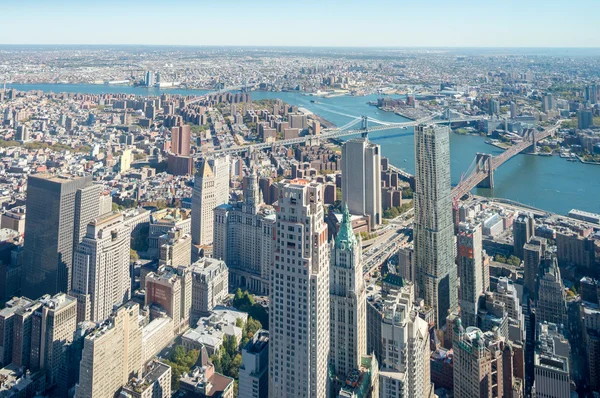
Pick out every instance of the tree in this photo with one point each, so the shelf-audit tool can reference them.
(181, 361)
(133, 256)
(245, 302)
(251, 327)
(514, 261)
(338, 194)
(546, 149)
(407, 193)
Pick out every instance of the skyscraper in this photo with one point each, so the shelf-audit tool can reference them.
(523, 230)
(532, 256)
(243, 238)
(87, 207)
(435, 269)
(470, 262)
(405, 366)
(551, 305)
(101, 276)
(361, 178)
(254, 372)
(298, 355)
(111, 354)
(50, 225)
(175, 248)
(180, 140)
(585, 118)
(171, 290)
(211, 189)
(478, 363)
(548, 103)
(53, 327)
(348, 321)
(551, 363)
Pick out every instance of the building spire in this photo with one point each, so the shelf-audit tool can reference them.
(252, 194)
(346, 234)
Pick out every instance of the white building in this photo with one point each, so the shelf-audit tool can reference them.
(175, 248)
(243, 238)
(211, 189)
(551, 363)
(101, 278)
(348, 295)
(112, 354)
(361, 178)
(405, 366)
(155, 383)
(299, 311)
(210, 285)
(156, 335)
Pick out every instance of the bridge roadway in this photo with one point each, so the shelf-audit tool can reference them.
(334, 134)
(222, 91)
(478, 176)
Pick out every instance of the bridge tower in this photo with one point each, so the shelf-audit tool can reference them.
(533, 141)
(483, 164)
(364, 126)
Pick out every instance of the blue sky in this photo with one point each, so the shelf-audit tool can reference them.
(373, 23)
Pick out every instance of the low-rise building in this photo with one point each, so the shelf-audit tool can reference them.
(155, 383)
(204, 382)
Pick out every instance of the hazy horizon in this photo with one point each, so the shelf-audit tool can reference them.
(327, 23)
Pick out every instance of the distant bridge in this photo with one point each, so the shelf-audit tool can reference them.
(341, 132)
(481, 172)
(223, 90)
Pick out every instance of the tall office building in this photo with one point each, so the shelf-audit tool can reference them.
(51, 231)
(361, 178)
(87, 207)
(175, 248)
(548, 103)
(513, 110)
(585, 118)
(494, 107)
(507, 293)
(435, 269)
(551, 305)
(591, 93)
(112, 354)
(101, 278)
(149, 79)
(298, 355)
(405, 365)
(53, 327)
(171, 291)
(348, 296)
(210, 285)
(254, 372)
(211, 189)
(551, 363)
(478, 363)
(523, 230)
(472, 275)
(180, 139)
(244, 238)
(532, 257)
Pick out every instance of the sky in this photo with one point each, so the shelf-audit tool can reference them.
(349, 23)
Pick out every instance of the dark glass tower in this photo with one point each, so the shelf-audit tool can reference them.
(50, 233)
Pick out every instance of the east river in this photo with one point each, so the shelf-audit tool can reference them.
(548, 183)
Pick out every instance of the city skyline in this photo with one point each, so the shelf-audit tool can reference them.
(437, 24)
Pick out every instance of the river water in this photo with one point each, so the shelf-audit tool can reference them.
(548, 183)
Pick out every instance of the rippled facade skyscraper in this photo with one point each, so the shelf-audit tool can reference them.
(436, 272)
